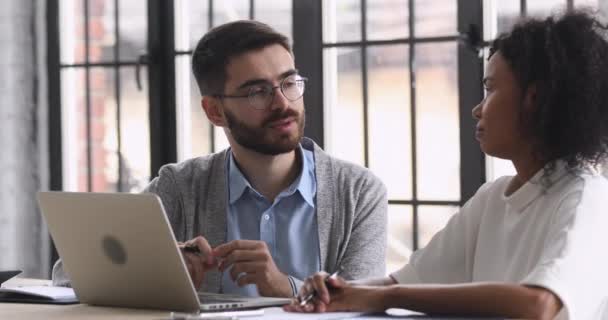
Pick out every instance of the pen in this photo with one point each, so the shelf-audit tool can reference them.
(192, 249)
(310, 296)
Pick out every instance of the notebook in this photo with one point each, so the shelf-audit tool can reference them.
(33, 294)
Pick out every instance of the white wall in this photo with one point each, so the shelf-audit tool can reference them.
(23, 238)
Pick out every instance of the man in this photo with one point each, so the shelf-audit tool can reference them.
(273, 208)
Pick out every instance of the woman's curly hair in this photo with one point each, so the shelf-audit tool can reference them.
(566, 58)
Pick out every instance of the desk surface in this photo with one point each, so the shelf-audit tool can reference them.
(77, 311)
(26, 311)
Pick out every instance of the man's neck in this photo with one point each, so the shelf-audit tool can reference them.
(268, 174)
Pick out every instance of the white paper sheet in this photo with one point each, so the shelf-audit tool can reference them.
(279, 314)
(55, 293)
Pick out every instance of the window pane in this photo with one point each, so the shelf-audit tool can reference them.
(101, 30)
(343, 102)
(133, 29)
(432, 219)
(103, 131)
(601, 6)
(389, 118)
(220, 142)
(435, 18)
(387, 19)
(71, 31)
(193, 137)
(543, 8)
(341, 21)
(103, 148)
(437, 121)
(399, 245)
(496, 168)
(135, 131)
(226, 11)
(508, 12)
(277, 14)
(74, 141)
(191, 23)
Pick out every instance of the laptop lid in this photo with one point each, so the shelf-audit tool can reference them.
(119, 250)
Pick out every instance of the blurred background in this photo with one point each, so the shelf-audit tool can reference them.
(98, 94)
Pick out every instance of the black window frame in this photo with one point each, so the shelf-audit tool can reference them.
(308, 49)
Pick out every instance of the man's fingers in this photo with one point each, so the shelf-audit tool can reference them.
(195, 268)
(189, 267)
(202, 244)
(242, 255)
(224, 249)
(204, 249)
(245, 279)
(245, 267)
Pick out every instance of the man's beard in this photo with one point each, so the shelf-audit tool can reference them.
(255, 138)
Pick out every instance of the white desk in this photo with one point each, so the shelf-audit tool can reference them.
(27, 311)
(21, 311)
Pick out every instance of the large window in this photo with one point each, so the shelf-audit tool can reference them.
(384, 92)
(392, 85)
(193, 18)
(105, 99)
(104, 115)
(502, 15)
(391, 104)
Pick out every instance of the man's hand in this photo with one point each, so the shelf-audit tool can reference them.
(198, 263)
(252, 263)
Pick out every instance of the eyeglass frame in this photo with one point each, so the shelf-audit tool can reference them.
(272, 91)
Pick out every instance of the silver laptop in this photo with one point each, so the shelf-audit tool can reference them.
(119, 250)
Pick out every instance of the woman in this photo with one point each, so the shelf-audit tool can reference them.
(526, 246)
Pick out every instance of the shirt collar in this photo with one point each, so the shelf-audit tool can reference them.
(304, 183)
(236, 180)
(536, 186)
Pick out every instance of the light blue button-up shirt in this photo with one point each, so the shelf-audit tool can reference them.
(288, 225)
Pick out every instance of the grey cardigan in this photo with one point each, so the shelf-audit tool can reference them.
(351, 208)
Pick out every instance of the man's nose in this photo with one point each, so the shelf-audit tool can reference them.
(279, 101)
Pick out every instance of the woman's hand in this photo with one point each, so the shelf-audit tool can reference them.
(335, 294)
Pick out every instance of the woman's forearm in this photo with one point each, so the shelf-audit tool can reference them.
(386, 281)
(483, 299)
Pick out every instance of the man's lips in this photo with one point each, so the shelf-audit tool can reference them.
(281, 123)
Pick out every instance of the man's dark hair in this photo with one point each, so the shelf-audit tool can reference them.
(214, 51)
(566, 58)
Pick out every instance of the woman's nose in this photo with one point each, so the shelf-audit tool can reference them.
(476, 112)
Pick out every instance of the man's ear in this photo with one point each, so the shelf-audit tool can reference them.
(213, 109)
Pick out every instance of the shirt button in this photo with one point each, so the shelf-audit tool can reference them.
(266, 217)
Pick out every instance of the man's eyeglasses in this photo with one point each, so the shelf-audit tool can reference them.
(260, 96)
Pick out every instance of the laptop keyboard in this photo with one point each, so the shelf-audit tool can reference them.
(217, 298)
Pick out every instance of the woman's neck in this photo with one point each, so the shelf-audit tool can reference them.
(526, 168)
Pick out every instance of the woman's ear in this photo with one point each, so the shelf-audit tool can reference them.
(530, 98)
(213, 109)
